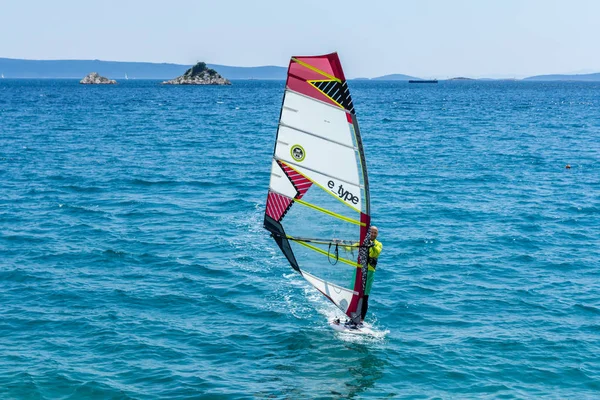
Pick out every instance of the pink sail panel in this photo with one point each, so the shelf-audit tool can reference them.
(301, 183)
(303, 70)
(329, 63)
(277, 205)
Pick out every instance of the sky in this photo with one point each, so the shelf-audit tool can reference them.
(425, 38)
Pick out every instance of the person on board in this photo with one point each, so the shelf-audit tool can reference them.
(375, 248)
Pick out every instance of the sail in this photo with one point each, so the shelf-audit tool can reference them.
(317, 206)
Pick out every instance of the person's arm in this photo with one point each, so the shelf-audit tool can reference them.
(351, 247)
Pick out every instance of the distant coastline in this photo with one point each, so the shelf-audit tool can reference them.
(394, 77)
(558, 77)
(74, 69)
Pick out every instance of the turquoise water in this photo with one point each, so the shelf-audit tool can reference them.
(134, 264)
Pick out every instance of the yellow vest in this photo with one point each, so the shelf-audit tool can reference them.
(375, 251)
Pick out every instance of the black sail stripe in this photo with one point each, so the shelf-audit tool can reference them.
(338, 92)
(335, 95)
(324, 86)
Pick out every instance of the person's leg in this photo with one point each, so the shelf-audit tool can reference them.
(365, 307)
(365, 304)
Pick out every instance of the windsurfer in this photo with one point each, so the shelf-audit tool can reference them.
(374, 250)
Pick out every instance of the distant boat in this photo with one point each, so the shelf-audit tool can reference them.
(423, 81)
(126, 77)
(2, 76)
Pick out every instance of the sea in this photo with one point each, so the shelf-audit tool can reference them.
(134, 265)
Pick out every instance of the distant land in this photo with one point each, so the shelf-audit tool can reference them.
(77, 69)
(578, 77)
(394, 77)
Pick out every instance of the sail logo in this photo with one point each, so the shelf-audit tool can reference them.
(298, 152)
(342, 193)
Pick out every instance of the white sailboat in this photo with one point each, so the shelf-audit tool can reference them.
(126, 77)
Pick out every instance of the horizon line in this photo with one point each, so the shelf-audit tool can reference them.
(505, 76)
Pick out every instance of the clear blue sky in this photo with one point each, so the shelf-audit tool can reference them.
(427, 38)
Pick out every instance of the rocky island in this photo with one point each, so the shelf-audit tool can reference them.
(199, 74)
(95, 79)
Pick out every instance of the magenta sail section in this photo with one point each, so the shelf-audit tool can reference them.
(277, 205)
(301, 183)
(310, 75)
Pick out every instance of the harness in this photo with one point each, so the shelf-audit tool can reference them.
(372, 261)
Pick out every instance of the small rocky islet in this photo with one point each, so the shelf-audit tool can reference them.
(199, 74)
(95, 79)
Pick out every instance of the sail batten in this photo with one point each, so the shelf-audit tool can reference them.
(317, 171)
(300, 170)
(318, 136)
(319, 182)
(281, 198)
(333, 106)
(327, 253)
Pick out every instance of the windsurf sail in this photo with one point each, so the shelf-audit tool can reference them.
(317, 207)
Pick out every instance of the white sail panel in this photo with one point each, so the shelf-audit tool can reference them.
(317, 154)
(339, 295)
(312, 116)
(280, 183)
